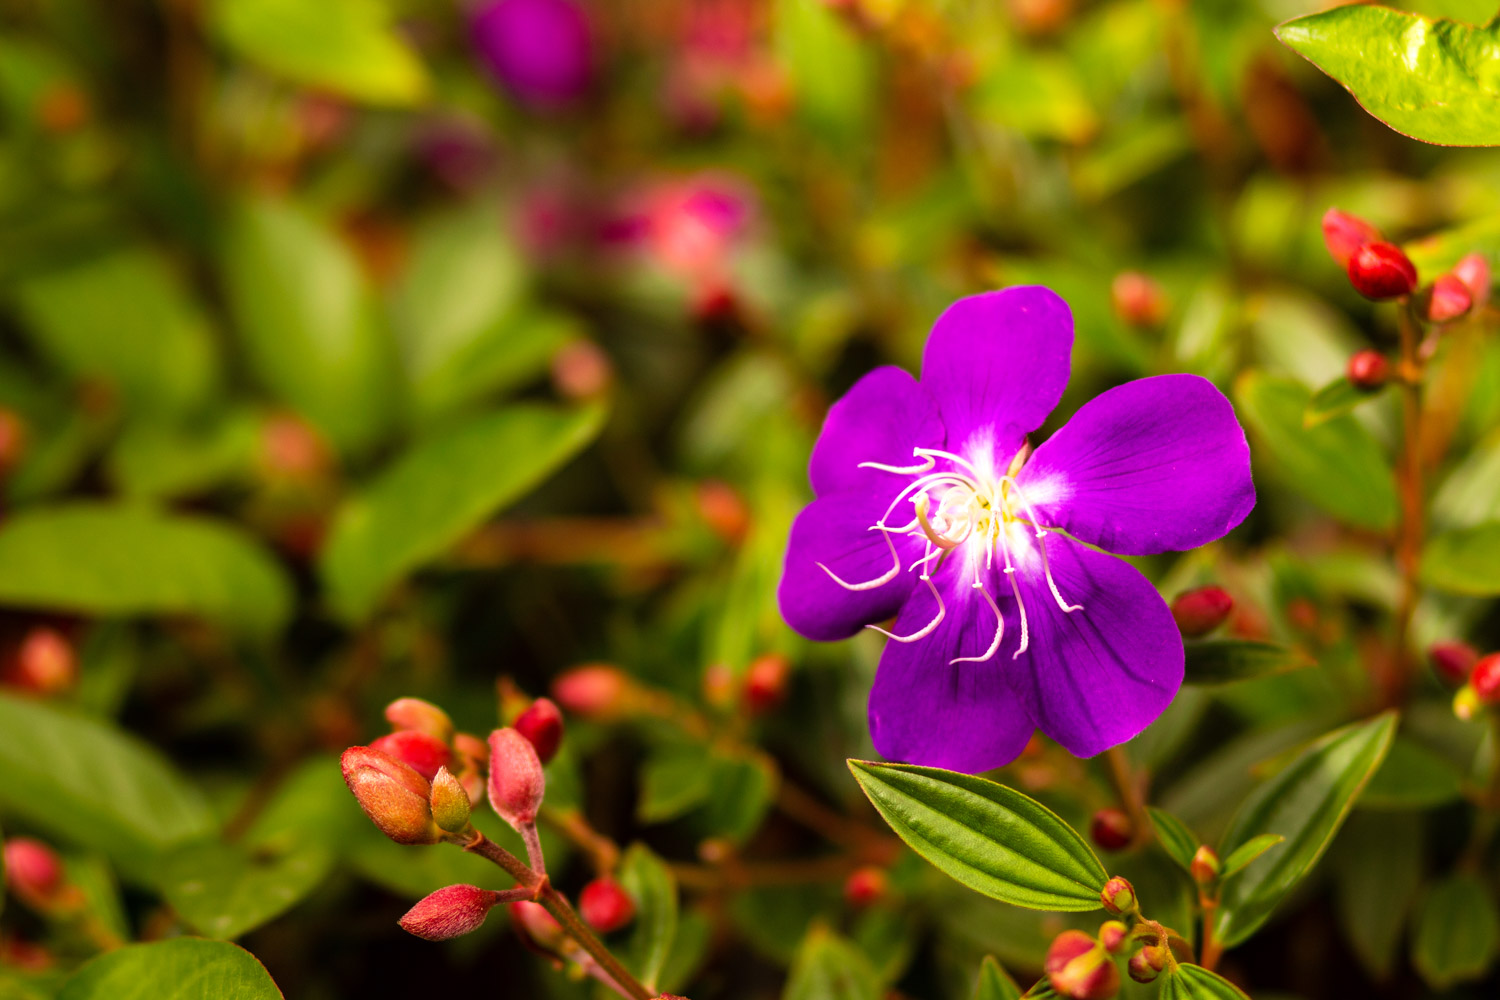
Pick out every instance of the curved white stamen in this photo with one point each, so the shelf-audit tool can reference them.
(907, 470)
(1041, 533)
(925, 630)
(1015, 588)
(879, 581)
(934, 453)
(999, 630)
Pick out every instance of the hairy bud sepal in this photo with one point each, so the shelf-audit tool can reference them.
(450, 912)
(450, 802)
(392, 794)
(517, 782)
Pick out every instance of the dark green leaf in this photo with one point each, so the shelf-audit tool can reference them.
(348, 47)
(1192, 982)
(1305, 803)
(1430, 80)
(740, 792)
(1337, 464)
(828, 967)
(1412, 777)
(995, 983)
(991, 838)
(1247, 852)
(1176, 839)
(116, 560)
(1221, 661)
(1457, 933)
(93, 784)
(308, 321)
(439, 491)
(1466, 561)
(1334, 400)
(225, 890)
(1377, 868)
(650, 884)
(180, 969)
(674, 779)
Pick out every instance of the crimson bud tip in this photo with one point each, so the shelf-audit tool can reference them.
(1368, 370)
(1199, 612)
(1380, 271)
(1111, 829)
(1344, 234)
(449, 913)
(542, 724)
(605, 906)
(517, 782)
(1138, 300)
(866, 886)
(1485, 679)
(1452, 660)
(1078, 967)
(424, 752)
(766, 682)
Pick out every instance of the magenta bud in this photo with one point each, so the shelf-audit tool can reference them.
(423, 752)
(596, 691)
(1199, 612)
(1344, 234)
(1077, 966)
(1112, 935)
(1474, 272)
(451, 912)
(1111, 829)
(450, 802)
(605, 906)
(1453, 660)
(542, 724)
(33, 871)
(1205, 866)
(422, 716)
(537, 925)
(1368, 370)
(1380, 271)
(1118, 896)
(1145, 965)
(1448, 299)
(517, 783)
(392, 794)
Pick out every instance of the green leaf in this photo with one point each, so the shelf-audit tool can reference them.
(161, 460)
(1377, 865)
(1247, 852)
(308, 321)
(650, 884)
(1465, 561)
(225, 890)
(991, 838)
(1412, 777)
(830, 69)
(349, 47)
(1222, 661)
(1193, 982)
(674, 779)
(1457, 933)
(1334, 400)
(1337, 464)
(108, 560)
(828, 967)
(1305, 803)
(995, 983)
(125, 319)
(1430, 80)
(93, 784)
(1176, 839)
(439, 491)
(179, 969)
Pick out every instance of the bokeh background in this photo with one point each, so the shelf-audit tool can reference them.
(359, 348)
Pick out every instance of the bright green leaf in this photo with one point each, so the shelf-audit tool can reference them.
(225, 890)
(1193, 982)
(349, 47)
(439, 491)
(1334, 400)
(1337, 464)
(1247, 852)
(1176, 839)
(991, 838)
(1465, 561)
(651, 886)
(1221, 661)
(93, 784)
(1430, 80)
(828, 967)
(995, 983)
(161, 460)
(1305, 803)
(1457, 932)
(179, 969)
(112, 560)
(1412, 777)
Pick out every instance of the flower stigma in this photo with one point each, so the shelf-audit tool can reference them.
(960, 509)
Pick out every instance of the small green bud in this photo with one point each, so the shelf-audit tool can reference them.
(1205, 867)
(1118, 897)
(450, 802)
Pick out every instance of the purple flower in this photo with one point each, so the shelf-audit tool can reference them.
(932, 507)
(541, 50)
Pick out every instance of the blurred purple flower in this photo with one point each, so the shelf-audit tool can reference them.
(1004, 625)
(541, 50)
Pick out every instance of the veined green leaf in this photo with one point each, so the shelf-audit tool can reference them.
(1222, 661)
(1430, 80)
(225, 890)
(1193, 982)
(1465, 561)
(995, 983)
(646, 878)
(1248, 852)
(1458, 932)
(1412, 777)
(1334, 400)
(179, 969)
(991, 838)
(1176, 839)
(1305, 803)
(827, 967)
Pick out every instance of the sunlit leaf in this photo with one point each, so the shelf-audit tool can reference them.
(224, 890)
(1249, 851)
(1176, 839)
(179, 969)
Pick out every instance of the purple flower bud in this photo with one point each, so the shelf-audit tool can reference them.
(517, 783)
(450, 802)
(450, 912)
(1453, 660)
(1111, 829)
(542, 51)
(1078, 967)
(394, 796)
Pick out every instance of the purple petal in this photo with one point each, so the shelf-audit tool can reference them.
(835, 530)
(1156, 464)
(1095, 677)
(999, 360)
(879, 420)
(925, 709)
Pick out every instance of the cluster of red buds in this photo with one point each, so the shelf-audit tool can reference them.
(1082, 966)
(1479, 676)
(1198, 612)
(762, 688)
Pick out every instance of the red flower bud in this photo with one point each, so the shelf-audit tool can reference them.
(425, 753)
(866, 886)
(1138, 300)
(605, 906)
(1199, 612)
(542, 724)
(1111, 829)
(290, 449)
(1205, 866)
(1381, 271)
(12, 439)
(1485, 679)
(1453, 660)
(1368, 370)
(450, 912)
(1145, 965)
(45, 662)
(1344, 234)
(1474, 272)
(450, 802)
(517, 783)
(766, 682)
(33, 871)
(596, 691)
(533, 922)
(392, 794)
(423, 716)
(581, 370)
(1112, 935)
(1078, 967)
(719, 685)
(1118, 896)
(1448, 299)
(723, 510)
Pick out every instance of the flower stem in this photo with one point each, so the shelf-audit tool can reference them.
(1211, 948)
(1409, 529)
(1128, 783)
